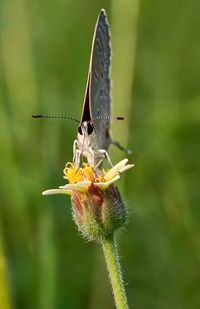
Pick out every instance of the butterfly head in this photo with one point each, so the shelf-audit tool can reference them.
(86, 128)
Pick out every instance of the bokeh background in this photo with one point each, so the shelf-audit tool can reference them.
(44, 56)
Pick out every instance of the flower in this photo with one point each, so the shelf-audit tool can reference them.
(98, 208)
(80, 179)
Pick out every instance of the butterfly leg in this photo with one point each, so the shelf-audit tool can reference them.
(76, 153)
(106, 155)
(77, 158)
(74, 150)
(98, 163)
(119, 146)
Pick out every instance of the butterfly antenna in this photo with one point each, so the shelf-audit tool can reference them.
(54, 117)
(108, 117)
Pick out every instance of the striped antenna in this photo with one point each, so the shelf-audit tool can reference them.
(74, 119)
(55, 117)
(108, 117)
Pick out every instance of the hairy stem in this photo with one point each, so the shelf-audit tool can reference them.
(114, 271)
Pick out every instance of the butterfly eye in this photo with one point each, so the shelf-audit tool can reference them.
(90, 128)
(80, 130)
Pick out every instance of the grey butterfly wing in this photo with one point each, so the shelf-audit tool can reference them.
(99, 82)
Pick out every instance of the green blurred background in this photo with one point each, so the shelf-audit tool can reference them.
(44, 56)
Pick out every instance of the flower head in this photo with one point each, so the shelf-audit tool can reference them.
(97, 205)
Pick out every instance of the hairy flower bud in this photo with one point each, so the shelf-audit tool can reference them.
(98, 213)
(98, 209)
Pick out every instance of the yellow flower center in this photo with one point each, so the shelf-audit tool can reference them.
(84, 173)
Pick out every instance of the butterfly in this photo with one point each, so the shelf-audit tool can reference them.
(94, 138)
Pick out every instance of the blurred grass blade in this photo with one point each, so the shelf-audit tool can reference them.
(123, 36)
(5, 301)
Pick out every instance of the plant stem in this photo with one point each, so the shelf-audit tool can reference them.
(114, 271)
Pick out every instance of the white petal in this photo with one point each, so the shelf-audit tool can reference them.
(126, 167)
(56, 191)
(115, 170)
(107, 183)
(76, 186)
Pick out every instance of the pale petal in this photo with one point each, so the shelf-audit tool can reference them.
(56, 191)
(79, 186)
(126, 167)
(115, 170)
(104, 185)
